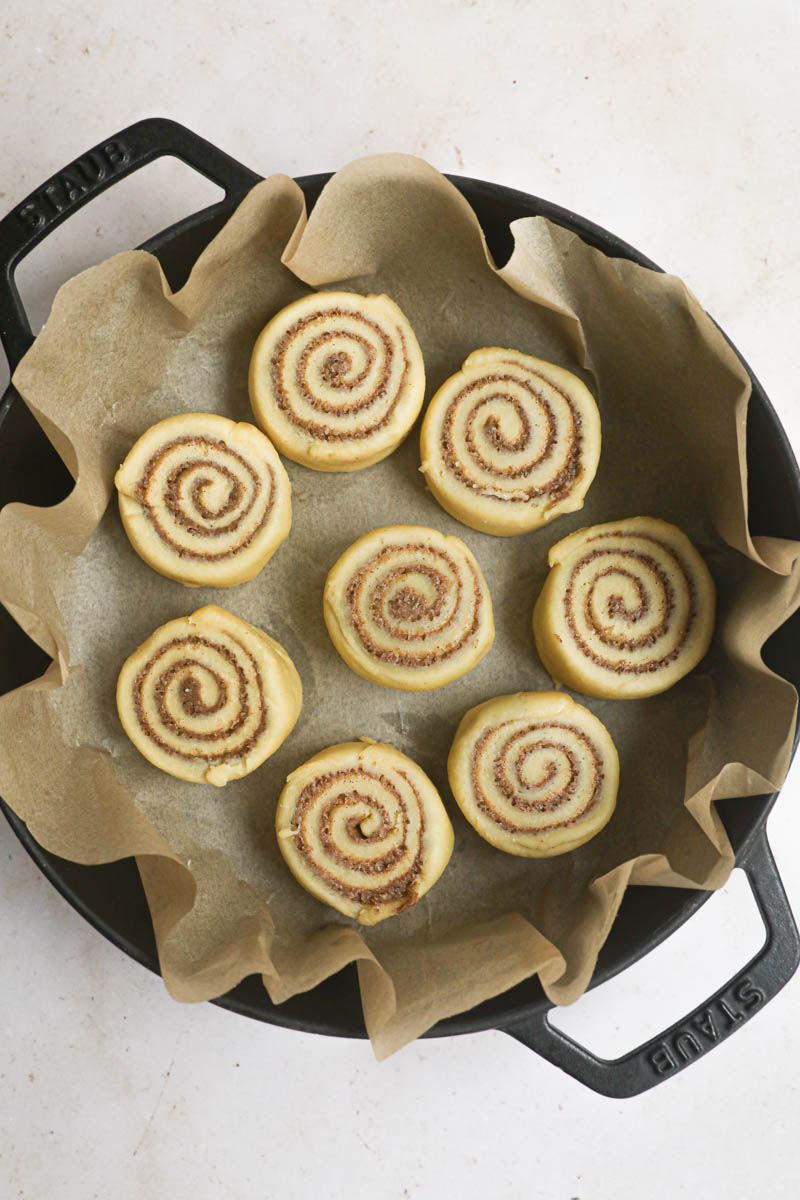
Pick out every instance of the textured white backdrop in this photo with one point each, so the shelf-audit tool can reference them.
(675, 124)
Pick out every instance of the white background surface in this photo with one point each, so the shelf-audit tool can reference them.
(676, 126)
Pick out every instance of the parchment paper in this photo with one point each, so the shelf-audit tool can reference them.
(120, 352)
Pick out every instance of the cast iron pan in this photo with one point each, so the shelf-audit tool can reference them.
(111, 898)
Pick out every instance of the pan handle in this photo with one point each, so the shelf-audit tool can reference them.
(89, 175)
(688, 1039)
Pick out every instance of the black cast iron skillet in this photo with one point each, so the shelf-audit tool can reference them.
(111, 898)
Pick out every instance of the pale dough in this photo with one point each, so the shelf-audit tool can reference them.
(204, 500)
(363, 829)
(627, 609)
(535, 773)
(208, 697)
(510, 442)
(408, 607)
(337, 380)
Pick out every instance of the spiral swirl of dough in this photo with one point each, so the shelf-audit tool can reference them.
(627, 609)
(337, 380)
(363, 829)
(510, 442)
(534, 773)
(409, 608)
(208, 697)
(204, 500)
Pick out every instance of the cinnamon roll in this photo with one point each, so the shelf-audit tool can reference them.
(510, 442)
(627, 609)
(409, 608)
(208, 697)
(337, 380)
(204, 500)
(535, 774)
(363, 829)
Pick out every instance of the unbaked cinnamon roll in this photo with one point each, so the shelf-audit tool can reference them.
(208, 697)
(510, 442)
(409, 608)
(535, 773)
(627, 609)
(204, 500)
(363, 829)
(337, 380)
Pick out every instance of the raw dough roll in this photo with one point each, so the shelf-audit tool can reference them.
(363, 829)
(337, 380)
(204, 500)
(627, 609)
(208, 697)
(510, 442)
(536, 774)
(409, 608)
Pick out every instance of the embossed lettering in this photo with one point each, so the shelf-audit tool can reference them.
(72, 183)
(704, 1021)
(116, 154)
(686, 1045)
(748, 994)
(30, 215)
(92, 167)
(73, 188)
(732, 1014)
(661, 1060)
(50, 194)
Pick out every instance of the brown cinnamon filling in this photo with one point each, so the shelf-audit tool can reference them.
(334, 371)
(337, 367)
(173, 489)
(193, 705)
(372, 891)
(199, 488)
(511, 785)
(618, 609)
(409, 605)
(556, 488)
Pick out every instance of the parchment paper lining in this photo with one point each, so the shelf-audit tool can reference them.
(120, 352)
